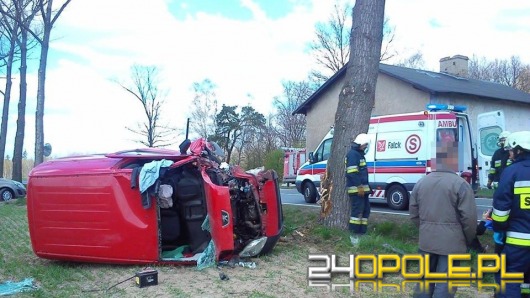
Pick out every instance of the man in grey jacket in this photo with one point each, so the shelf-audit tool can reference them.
(443, 206)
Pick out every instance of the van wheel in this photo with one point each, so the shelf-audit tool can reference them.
(397, 197)
(310, 192)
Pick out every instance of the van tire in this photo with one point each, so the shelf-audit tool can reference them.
(397, 197)
(310, 192)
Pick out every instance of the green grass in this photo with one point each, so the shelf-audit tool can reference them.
(302, 234)
(484, 193)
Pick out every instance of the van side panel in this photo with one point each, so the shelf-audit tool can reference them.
(96, 218)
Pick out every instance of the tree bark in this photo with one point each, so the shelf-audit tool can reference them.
(7, 99)
(48, 21)
(356, 100)
(39, 113)
(21, 120)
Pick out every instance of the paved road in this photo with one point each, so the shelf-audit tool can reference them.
(291, 197)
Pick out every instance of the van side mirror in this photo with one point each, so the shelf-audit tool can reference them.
(184, 146)
(311, 157)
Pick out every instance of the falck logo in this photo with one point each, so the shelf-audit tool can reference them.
(381, 145)
(226, 218)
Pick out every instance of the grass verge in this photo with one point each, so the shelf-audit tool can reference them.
(280, 274)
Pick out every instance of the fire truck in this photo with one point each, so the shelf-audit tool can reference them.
(293, 159)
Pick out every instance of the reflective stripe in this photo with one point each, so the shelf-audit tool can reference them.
(364, 221)
(518, 235)
(355, 189)
(362, 163)
(508, 162)
(500, 216)
(521, 184)
(517, 241)
(497, 163)
(352, 189)
(520, 190)
(500, 212)
(352, 169)
(355, 220)
(517, 238)
(492, 171)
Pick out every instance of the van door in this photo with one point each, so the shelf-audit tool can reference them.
(489, 126)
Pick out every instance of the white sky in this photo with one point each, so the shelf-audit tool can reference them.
(97, 41)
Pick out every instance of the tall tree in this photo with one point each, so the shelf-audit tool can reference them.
(292, 128)
(9, 37)
(145, 89)
(510, 72)
(204, 108)
(356, 100)
(415, 61)
(252, 123)
(524, 83)
(48, 20)
(23, 13)
(228, 129)
(265, 141)
(331, 47)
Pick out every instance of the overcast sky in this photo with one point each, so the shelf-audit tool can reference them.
(245, 47)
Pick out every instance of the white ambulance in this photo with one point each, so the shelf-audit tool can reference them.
(401, 151)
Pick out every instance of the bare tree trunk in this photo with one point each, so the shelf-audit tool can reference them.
(21, 121)
(48, 21)
(355, 103)
(39, 114)
(7, 99)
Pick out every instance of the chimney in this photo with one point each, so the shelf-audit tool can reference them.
(456, 65)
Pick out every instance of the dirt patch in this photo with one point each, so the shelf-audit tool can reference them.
(281, 274)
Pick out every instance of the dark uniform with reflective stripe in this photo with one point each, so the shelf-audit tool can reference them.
(357, 177)
(511, 214)
(499, 161)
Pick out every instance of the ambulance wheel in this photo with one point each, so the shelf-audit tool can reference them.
(310, 192)
(397, 197)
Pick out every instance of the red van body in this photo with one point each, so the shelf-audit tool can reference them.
(90, 209)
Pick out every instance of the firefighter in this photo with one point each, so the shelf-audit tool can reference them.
(357, 187)
(499, 161)
(511, 210)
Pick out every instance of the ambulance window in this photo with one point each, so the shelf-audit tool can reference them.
(446, 135)
(324, 151)
(488, 140)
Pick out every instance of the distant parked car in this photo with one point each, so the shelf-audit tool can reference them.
(10, 189)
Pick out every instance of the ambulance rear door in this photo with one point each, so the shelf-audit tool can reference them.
(489, 126)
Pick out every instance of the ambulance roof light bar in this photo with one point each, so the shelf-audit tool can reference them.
(443, 107)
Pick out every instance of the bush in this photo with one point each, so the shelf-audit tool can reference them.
(274, 161)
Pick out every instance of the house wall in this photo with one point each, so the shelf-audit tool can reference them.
(391, 96)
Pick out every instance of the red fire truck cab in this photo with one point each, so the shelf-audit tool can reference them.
(151, 206)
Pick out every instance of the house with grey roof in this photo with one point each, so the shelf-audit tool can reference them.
(403, 90)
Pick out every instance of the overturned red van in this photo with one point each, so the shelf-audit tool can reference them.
(151, 206)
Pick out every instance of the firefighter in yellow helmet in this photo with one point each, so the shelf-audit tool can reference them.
(499, 161)
(511, 211)
(357, 187)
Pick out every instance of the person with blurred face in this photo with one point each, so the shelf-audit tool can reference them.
(357, 187)
(499, 161)
(442, 205)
